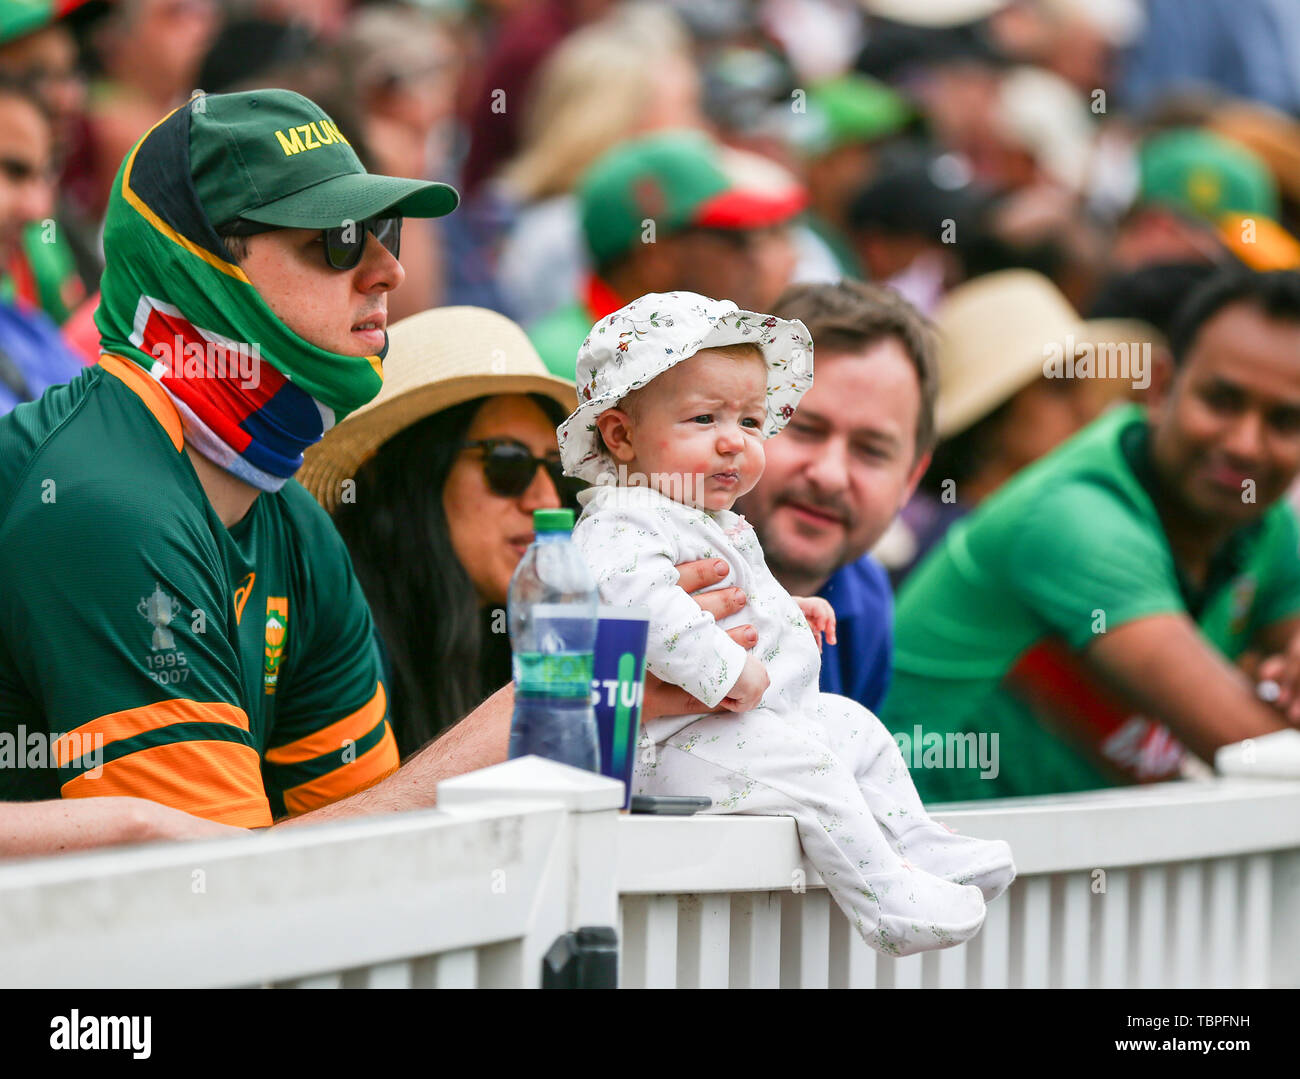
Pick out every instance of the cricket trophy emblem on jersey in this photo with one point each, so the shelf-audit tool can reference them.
(159, 609)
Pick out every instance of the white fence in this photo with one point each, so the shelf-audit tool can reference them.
(1193, 884)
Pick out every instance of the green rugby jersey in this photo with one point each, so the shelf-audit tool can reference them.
(989, 629)
(231, 673)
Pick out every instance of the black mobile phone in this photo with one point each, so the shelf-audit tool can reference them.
(671, 805)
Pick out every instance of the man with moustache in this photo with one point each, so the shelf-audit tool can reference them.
(848, 460)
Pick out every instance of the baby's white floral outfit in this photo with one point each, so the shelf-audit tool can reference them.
(905, 882)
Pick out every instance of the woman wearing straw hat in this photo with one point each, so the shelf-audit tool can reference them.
(1002, 401)
(432, 486)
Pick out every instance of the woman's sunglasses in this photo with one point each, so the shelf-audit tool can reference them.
(509, 468)
(344, 245)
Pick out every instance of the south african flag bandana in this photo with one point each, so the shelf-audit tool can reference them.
(251, 393)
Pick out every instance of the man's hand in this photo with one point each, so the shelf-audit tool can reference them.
(1282, 669)
(820, 616)
(663, 699)
(749, 687)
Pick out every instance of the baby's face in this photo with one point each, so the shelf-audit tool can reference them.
(698, 429)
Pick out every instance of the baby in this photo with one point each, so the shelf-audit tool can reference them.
(676, 395)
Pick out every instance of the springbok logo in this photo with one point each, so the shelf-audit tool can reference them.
(277, 626)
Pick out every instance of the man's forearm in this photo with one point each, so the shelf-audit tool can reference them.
(480, 739)
(71, 824)
(1165, 667)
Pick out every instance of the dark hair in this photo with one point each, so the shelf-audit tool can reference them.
(1152, 294)
(1275, 294)
(444, 662)
(960, 457)
(24, 88)
(850, 315)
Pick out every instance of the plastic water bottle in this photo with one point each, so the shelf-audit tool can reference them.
(553, 607)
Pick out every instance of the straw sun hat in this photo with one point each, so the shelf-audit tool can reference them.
(994, 333)
(435, 359)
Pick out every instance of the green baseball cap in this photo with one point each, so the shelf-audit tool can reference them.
(676, 179)
(1205, 175)
(849, 109)
(275, 157)
(18, 18)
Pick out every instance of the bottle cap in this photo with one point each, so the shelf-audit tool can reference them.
(553, 520)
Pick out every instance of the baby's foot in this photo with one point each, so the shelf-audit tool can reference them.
(937, 849)
(919, 912)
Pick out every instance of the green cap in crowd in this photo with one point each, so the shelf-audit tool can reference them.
(849, 109)
(18, 18)
(678, 180)
(1205, 175)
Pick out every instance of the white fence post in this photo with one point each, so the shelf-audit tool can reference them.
(587, 894)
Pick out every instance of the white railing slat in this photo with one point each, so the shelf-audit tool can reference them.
(704, 941)
(1256, 919)
(993, 945)
(456, 970)
(1221, 953)
(1189, 926)
(1036, 933)
(1111, 957)
(661, 942)
(805, 940)
(1153, 929)
(756, 941)
(1073, 922)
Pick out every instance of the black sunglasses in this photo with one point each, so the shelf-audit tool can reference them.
(344, 245)
(509, 468)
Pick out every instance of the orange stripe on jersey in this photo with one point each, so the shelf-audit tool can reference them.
(118, 725)
(332, 738)
(221, 781)
(365, 771)
(153, 395)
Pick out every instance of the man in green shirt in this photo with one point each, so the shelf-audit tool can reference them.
(1086, 623)
(184, 649)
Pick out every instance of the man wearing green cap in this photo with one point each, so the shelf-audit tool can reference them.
(664, 214)
(179, 621)
(1202, 198)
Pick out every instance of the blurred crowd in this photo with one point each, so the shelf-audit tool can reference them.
(920, 145)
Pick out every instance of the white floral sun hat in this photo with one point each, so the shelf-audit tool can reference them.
(635, 344)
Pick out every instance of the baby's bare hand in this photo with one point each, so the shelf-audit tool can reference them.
(749, 687)
(820, 617)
